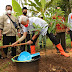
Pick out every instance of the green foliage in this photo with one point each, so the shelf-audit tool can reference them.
(52, 22)
(38, 3)
(16, 8)
(43, 3)
(65, 5)
(48, 4)
(37, 28)
(34, 5)
(42, 6)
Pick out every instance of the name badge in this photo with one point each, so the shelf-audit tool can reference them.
(8, 21)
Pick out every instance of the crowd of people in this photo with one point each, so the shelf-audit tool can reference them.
(10, 26)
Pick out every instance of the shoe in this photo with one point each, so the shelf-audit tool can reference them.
(33, 51)
(66, 51)
(58, 51)
(65, 54)
(61, 50)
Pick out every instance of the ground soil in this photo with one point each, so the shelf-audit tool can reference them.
(50, 61)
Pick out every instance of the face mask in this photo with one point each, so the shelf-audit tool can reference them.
(26, 25)
(24, 13)
(9, 11)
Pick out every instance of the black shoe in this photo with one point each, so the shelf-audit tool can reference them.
(40, 46)
(58, 51)
(66, 51)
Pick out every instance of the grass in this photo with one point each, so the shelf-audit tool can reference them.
(49, 44)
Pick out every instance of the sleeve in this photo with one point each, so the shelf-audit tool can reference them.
(1, 22)
(68, 19)
(24, 29)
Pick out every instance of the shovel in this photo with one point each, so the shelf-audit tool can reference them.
(11, 45)
(5, 46)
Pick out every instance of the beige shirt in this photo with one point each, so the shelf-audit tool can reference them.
(7, 26)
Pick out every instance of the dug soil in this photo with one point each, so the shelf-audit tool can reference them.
(50, 61)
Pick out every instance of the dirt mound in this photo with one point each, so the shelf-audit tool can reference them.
(49, 62)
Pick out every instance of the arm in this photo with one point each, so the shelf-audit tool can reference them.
(68, 27)
(21, 39)
(68, 20)
(33, 38)
(1, 26)
(0, 34)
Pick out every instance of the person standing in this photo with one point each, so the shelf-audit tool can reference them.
(8, 30)
(60, 32)
(44, 27)
(22, 28)
(70, 29)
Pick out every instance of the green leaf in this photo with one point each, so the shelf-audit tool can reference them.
(36, 32)
(34, 25)
(38, 3)
(43, 2)
(34, 5)
(48, 4)
(16, 7)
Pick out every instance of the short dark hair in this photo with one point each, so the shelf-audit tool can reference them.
(8, 5)
(24, 8)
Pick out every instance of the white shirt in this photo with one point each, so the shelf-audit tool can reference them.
(38, 21)
(70, 20)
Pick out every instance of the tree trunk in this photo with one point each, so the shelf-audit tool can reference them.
(70, 1)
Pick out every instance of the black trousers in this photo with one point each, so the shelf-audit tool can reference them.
(52, 38)
(6, 41)
(22, 48)
(70, 34)
(61, 38)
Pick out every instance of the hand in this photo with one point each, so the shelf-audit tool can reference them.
(19, 35)
(14, 44)
(0, 36)
(29, 42)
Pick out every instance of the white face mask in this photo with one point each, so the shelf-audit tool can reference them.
(9, 11)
